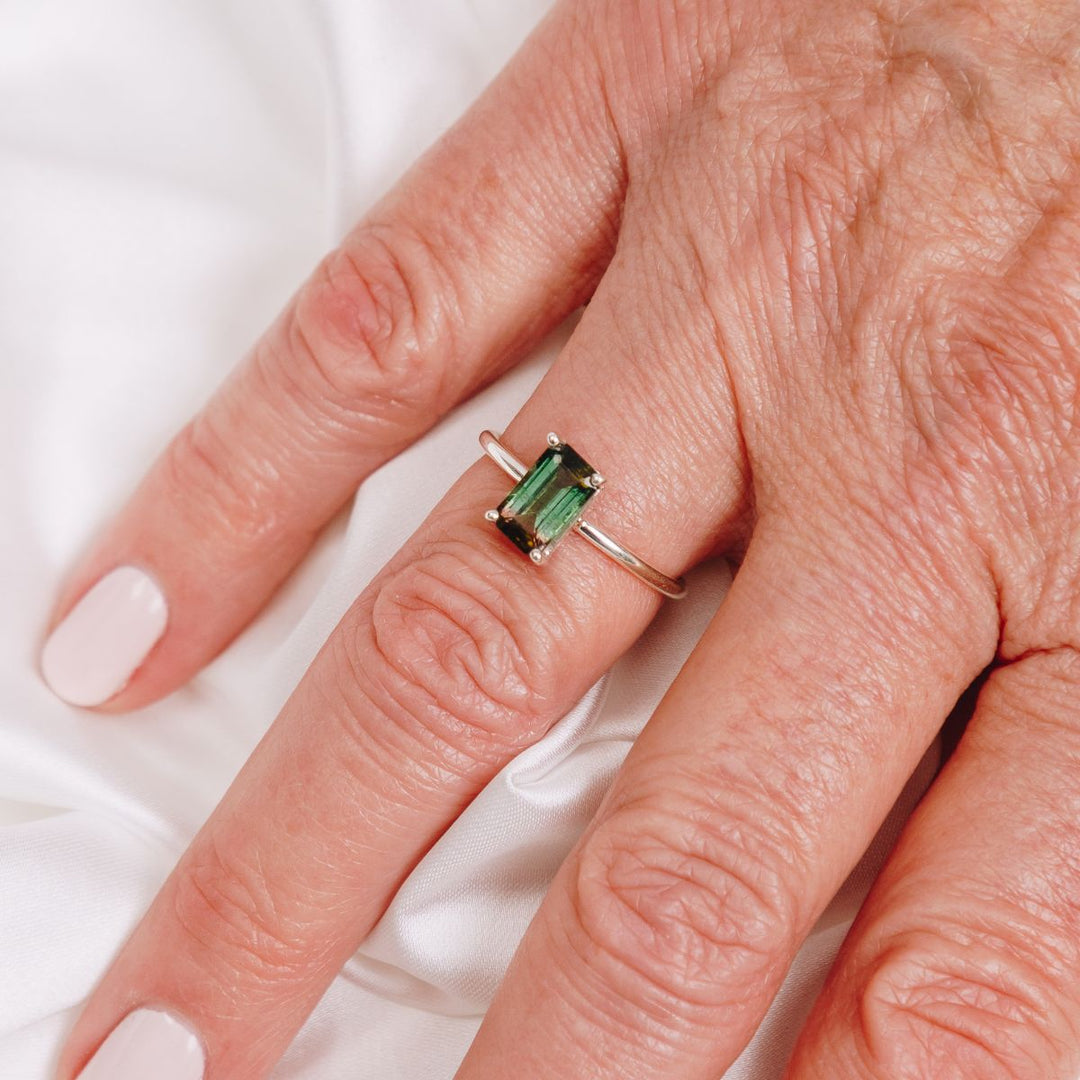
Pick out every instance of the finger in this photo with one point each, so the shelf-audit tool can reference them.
(751, 793)
(965, 960)
(456, 657)
(494, 237)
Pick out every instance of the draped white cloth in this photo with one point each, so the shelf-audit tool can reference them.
(169, 171)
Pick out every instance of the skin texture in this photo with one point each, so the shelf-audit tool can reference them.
(838, 244)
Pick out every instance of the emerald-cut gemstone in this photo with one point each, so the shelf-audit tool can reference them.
(548, 499)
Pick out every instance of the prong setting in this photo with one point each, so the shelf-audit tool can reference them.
(546, 501)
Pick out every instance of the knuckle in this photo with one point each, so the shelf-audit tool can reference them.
(1001, 396)
(689, 904)
(371, 326)
(932, 1007)
(1011, 381)
(228, 917)
(1003, 391)
(218, 486)
(461, 658)
(1002, 364)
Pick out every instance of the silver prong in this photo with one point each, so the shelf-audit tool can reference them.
(596, 481)
(537, 555)
(491, 515)
(553, 439)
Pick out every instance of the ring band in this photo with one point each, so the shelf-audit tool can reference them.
(546, 502)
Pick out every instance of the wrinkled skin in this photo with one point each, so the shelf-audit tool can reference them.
(833, 251)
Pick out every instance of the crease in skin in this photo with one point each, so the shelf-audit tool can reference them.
(1010, 402)
(867, 198)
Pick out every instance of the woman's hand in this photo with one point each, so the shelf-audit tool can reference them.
(833, 251)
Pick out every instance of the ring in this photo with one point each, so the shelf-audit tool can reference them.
(547, 501)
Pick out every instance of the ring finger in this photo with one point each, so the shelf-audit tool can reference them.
(457, 656)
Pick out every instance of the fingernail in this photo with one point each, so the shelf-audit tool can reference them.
(148, 1043)
(93, 653)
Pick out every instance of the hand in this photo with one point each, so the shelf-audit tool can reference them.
(833, 251)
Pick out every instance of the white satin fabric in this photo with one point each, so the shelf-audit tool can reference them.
(169, 171)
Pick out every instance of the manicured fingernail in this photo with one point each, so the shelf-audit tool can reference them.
(148, 1043)
(93, 653)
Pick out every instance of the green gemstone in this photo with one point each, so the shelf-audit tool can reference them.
(547, 500)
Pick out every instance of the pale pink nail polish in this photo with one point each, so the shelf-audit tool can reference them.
(148, 1043)
(106, 636)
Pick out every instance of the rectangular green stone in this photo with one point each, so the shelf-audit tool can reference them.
(547, 500)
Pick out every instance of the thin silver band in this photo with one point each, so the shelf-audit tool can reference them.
(673, 587)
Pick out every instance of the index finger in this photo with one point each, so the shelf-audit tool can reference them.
(494, 237)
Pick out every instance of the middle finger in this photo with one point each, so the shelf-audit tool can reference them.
(751, 793)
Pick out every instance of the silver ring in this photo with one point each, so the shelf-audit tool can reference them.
(546, 502)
